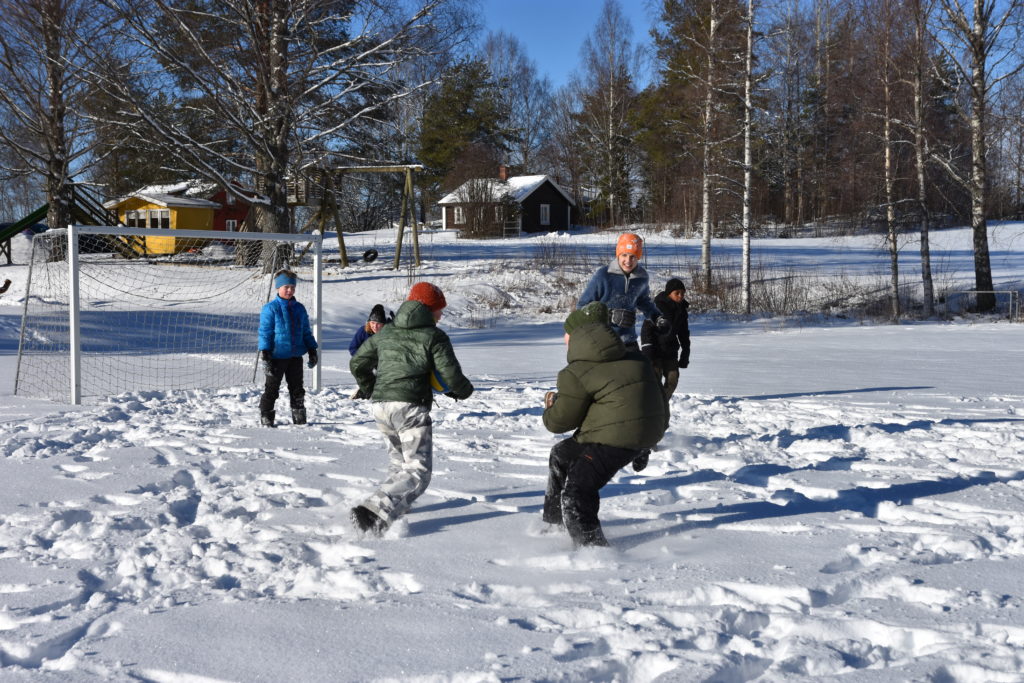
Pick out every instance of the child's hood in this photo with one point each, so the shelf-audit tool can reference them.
(412, 314)
(595, 343)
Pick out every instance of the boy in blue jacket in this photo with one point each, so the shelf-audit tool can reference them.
(623, 286)
(285, 336)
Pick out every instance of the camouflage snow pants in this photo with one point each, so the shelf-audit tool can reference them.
(408, 433)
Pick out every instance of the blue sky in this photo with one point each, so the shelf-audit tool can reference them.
(553, 30)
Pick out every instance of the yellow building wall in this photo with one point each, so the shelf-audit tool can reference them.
(192, 219)
(180, 219)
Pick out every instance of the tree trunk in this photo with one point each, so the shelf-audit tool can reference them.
(890, 181)
(920, 153)
(706, 143)
(979, 168)
(748, 106)
(58, 191)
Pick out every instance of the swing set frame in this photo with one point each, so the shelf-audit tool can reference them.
(324, 182)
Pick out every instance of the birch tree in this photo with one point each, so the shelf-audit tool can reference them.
(981, 41)
(920, 11)
(527, 99)
(705, 43)
(748, 156)
(607, 95)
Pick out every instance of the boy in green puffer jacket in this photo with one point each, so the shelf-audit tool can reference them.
(405, 354)
(613, 400)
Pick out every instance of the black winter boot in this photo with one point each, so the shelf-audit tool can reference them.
(299, 416)
(591, 538)
(267, 419)
(366, 521)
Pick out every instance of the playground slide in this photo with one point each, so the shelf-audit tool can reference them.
(31, 219)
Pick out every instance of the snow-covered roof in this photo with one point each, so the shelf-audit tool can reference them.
(517, 187)
(186, 188)
(167, 200)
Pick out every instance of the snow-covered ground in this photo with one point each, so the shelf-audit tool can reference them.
(837, 501)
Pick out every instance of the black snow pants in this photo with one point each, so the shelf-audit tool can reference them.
(576, 473)
(290, 369)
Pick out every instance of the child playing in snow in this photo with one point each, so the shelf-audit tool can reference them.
(284, 337)
(669, 349)
(623, 286)
(610, 398)
(376, 320)
(404, 354)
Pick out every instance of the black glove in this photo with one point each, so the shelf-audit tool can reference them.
(359, 394)
(268, 365)
(640, 461)
(313, 358)
(662, 324)
(452, 396)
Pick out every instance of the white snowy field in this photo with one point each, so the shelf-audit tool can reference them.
(837, 501)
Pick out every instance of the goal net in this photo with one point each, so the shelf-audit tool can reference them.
(110, 310)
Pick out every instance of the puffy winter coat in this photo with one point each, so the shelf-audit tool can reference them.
(673, 343)
(284, 329)
(619, 291)
(610, 395)
(361, 335)
(404, 353)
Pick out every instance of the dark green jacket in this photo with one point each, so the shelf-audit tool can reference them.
(610, 395)
(404, 353)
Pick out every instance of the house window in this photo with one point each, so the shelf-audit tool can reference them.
(499, 213)
(545, 214)
(132, 219)
(160, 218)
(460, 215)
(230, 225)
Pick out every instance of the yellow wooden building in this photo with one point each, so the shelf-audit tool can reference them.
(151, 209)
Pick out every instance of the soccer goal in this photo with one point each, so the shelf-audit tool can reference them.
(110, 310)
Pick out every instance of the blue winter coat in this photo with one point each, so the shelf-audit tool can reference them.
(617, 290)
(284, 329)
(358, 338)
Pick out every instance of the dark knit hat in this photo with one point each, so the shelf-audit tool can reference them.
(377, 315)
(429, 295)
(594, 312)
(674, 284)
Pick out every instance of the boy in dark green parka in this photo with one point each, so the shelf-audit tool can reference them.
(393, 368)
(614, 402)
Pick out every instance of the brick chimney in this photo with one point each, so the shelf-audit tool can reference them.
(502, 173)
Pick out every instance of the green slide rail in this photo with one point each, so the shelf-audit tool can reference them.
(85, 210)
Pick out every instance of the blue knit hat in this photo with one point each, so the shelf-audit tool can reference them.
(285, 278)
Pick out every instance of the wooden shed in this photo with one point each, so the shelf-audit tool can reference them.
(148, 209)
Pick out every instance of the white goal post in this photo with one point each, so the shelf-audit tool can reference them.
(110, 309)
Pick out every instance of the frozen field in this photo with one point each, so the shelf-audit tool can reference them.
(833, 501)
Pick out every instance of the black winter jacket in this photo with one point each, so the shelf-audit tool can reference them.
(676, 340)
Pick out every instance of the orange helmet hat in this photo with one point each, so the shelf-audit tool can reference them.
(630, 243)
(429, 295)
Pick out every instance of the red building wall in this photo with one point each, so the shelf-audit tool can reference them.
(232, 208)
